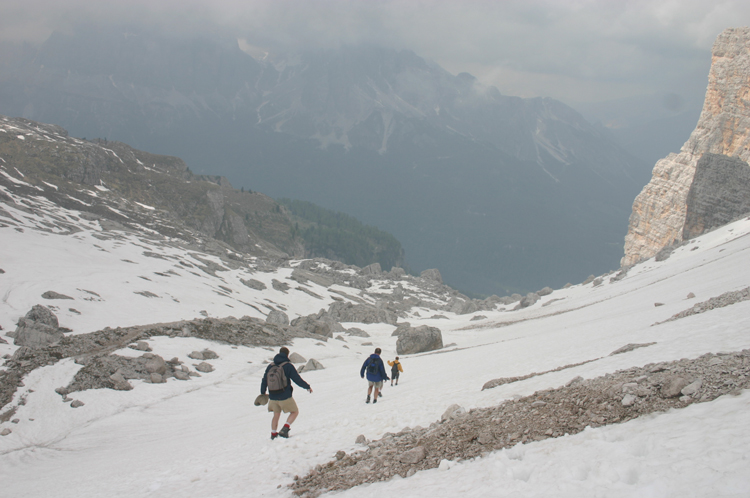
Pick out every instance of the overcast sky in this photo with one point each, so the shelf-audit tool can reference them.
(572, 50)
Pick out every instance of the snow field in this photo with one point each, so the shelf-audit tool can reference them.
(204, 436)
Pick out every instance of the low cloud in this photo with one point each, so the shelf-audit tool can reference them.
(578, 50)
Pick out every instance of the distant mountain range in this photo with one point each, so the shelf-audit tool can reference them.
(500, 193)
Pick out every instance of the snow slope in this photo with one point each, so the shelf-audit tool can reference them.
(205, 438)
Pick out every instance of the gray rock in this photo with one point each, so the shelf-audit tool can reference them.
(397, 272)
(209, 355)
(453, 412)
(297, 358)
(277, 317)
(204, 367)
(630, 347)
(673, 386)
(418, 340)
(361, 313)
(140, 346)
(253, 284)
(478, 317)
(312, 364)
(55, 295)
(691, 296)
(279, 286)
(432, 274)
(361, 439)
(530, 299)
(196, 355)
(312, 325)
(181, 375)
(156, 364)
(39, 328)
(356, 332)
(42, 314)
(7, 431)
(414, 455)
(373, 269)
(597, 282)
(588, 280)
(692, 388)
(156, 378)
(76, 404)
(628, 400)
(120, 382)
(544, 292)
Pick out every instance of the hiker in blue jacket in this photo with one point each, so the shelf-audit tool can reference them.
(375, 374)
(282, 400)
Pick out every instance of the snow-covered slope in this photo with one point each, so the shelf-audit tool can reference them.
(204, 437)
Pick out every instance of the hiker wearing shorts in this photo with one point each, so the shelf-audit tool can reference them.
(282, 400)
(395, 370)
(375, 374)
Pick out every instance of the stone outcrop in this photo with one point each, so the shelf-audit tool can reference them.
(719, 194)
(39, 328)
(419, 340)
(660, 210)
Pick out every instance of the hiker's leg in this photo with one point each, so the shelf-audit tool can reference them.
(275, 421)
(376, 392)
(369, 390)
(292, 417)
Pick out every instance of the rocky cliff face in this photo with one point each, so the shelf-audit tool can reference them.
(660, 210)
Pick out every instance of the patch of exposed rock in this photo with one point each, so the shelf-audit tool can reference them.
(726, 299)
(94, 350)
(613, 398)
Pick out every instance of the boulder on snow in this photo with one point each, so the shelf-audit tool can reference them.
(673, 386)
(54, 295)
(277, 317)
(453, 412)
(297, 358)
(419, 340)
(414, 455)
(37, 329)
(204, 367)
(156, 364)
(312, 364)
(357, 332)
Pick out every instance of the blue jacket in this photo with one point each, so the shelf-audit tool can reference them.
(291, 375)
(379, 375)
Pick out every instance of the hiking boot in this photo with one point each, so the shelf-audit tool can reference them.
(380, 394)
(375, 400)
(284, 432)
(368, 399)
(274, 436)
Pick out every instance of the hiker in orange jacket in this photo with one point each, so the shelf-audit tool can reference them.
(395, 369)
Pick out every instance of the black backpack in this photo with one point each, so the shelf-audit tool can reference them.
(372, 367)
(276, 378)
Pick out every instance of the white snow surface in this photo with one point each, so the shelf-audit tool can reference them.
(204, 437)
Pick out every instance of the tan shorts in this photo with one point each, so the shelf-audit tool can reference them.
(378, 384)
(286, 405)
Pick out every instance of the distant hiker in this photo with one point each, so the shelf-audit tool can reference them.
(395, 370)
(277, 380)
(375, 374)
